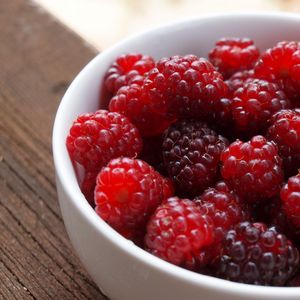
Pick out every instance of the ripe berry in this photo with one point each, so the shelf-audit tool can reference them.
(191, 84)
(95, 138)
(290, 195)
(255, 254)
(254, 104)
(125, 69)
(231, 55)
(225, 209)
(178, 232)
(295, 282)
(285, 132)
(88, 186)
(238, 79)
(147, 109)
(128, 192)
(191, 153)
(253, 168)
(282, 64)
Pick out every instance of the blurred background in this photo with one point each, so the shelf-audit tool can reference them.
(103, 22)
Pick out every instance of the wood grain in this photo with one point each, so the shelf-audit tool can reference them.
(38, 59)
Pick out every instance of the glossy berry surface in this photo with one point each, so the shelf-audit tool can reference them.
(254, 103)
(281, 63)
(253, 168)
(238, 79)
(178, 232)
(255, 254)
(231, 55)
(128, 192)
(285, 132)
(126, 69)
(290, 196)
(96, 138)
(191, 153)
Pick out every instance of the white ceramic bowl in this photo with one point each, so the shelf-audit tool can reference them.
(122, 270)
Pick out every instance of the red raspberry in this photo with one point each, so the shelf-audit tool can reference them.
(147, 109)
(255, 254)
(295, 282)
(238, 79)
(231, 55)
(191, 83)
(96, 138)
(126, 68)
(253, 168)
(285, 132)
(254, 104)
(191, 153)
(282, 64)
(290, 195)
(88, 186)
(178, 232)
(225, 209)
(128, 192)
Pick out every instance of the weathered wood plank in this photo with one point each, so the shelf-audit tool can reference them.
(38, 59)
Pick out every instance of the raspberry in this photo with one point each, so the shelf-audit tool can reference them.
(282, 64)
(253, 168)
(178, 232)
(255, 254)
(290, 196)
(191, 84)
(127, 193)
(231, 55)
(225, 209)
(295, 282)
(88, 186)
(95, 138)
(147, 109)
(238, 80)
(125, 69)
(191, 152)
(254, 104)
(285, 132)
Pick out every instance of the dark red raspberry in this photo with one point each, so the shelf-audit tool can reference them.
(128, 192)
(126, 68)
(255, 254)
(225, 209)
(290, 196)
(178, 232)
(282, 64)
(191, 152)
(147, 109)
(255, 103)
(238, 80)
(253, 168)
(231, 55)
(192, 84)
(95, 138)
(295, 282)
(285, 132)
(88, 186)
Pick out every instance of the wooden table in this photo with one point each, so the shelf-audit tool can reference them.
(38, 59)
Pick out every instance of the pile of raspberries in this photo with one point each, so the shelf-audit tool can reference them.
(196, 160)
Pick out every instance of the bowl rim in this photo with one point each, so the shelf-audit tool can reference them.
(77, 199)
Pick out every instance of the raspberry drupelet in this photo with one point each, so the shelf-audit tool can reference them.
(255, 254)
(96, 138)
(126, 69)
(254, 103)
(290, 196)
(88, 185)
(282, 65)
(231, 55)
(225, 209)
(191, 153)
(238, 79)
(253, 168)
(128, 192)
(178, 232)
(285, 132)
